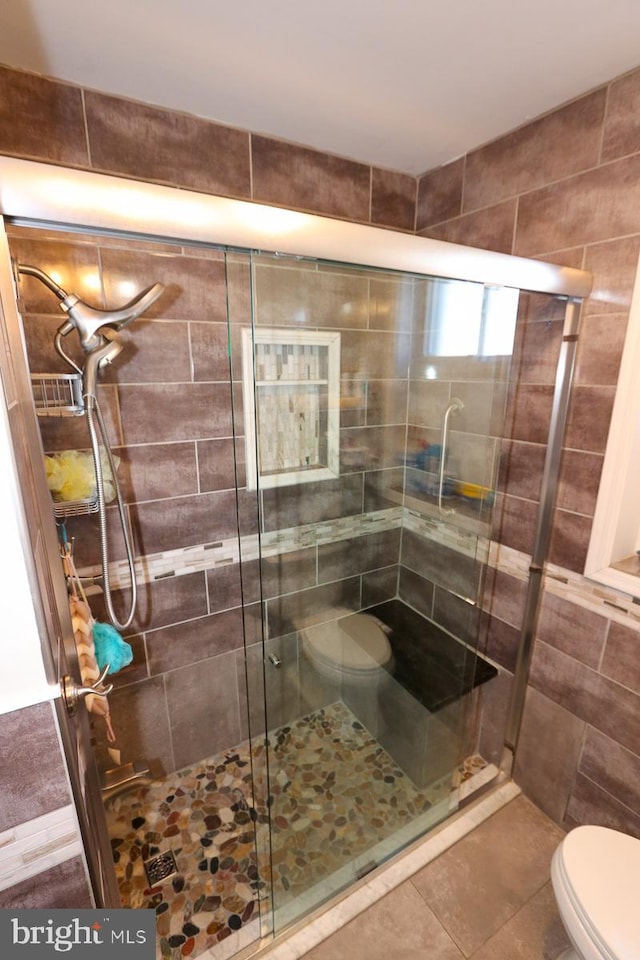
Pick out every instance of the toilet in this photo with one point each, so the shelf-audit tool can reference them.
(595, 874)
(352, 649)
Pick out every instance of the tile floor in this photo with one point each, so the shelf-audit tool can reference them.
(488, 897)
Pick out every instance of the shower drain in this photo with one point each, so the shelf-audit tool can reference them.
(160, 868)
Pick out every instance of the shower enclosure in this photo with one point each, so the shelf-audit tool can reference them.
(309, 451)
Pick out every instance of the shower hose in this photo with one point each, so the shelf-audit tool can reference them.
(94, 416)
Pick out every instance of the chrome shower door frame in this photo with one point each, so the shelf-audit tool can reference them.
(41, 194)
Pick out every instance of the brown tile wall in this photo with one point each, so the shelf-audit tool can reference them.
(562, 188)
(50, 121)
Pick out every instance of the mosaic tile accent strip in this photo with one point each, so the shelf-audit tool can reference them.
(37, 845)
(176, 563)
(570, 586)
(335, 793)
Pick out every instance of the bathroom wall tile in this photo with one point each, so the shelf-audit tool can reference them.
(371, 448)
(176, 148)
(457, 617)
(612, 768)
(490, 893)
(85, 532)
(529, 412)
(203, 708)
(521, 466)
(483, 410)
(286, 295)
(225, 585)
(504, 597)
(613, 265)
(216, 464)
(489, 229)
(383, 488)
(374, 355)
(183, 521)
(157, 470)
(209, 349)
(572, 629)
(499, 641)
(288, 572)
(141, 724)
(620, 661)
(39, 332)
(386, 401)
(64, 886)
(428, 400)
(171, 412)
(312, 502)
(379, 585)
(34, 779)
(579, 481)
(536, 930)
(440, 194)
(621, 128)
(607, 706)
(374, 933)
(441, 564)
(600, 349)
(393, 199)
(550, 148)
(590, 804)
(587, 208)
(346, 558)
(536, 350)
(41, 119)
(589, 418)
(194, 287)
(162, 602)
(549, 747)
(514, 523)
(154, 352)
(295, 176)
(193, 641)
(393, 304)
(416, 591)
(570, 540)
(289, 613)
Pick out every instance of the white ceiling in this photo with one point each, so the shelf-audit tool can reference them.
(405, 84)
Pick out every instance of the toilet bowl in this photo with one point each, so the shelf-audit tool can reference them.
(595, 874)
(353, 648)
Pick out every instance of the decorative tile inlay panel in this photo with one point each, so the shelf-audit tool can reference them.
(37, 845)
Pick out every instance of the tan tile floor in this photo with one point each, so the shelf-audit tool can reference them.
(489, 897)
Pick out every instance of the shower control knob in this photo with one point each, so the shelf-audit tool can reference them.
(73, 693)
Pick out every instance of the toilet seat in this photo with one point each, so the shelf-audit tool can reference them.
(354, 645)
(596, 880)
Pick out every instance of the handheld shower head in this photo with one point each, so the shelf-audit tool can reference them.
(107, 349)
(89, 321)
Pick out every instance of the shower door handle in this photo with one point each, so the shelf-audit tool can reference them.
(453, 407)
(73, 693)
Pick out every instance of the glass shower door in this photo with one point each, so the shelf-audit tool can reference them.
(372, 436)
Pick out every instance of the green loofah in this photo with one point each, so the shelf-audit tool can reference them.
(110, 648)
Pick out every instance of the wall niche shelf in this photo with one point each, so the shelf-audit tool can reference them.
(291, 388)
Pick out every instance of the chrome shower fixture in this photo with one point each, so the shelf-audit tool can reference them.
(87, 320)
(99, 334)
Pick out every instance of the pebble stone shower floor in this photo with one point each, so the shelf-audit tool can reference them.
(335, 793)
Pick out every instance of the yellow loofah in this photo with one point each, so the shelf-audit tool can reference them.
(71, 475)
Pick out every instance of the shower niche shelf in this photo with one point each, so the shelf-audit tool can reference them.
(291, 387)
(57, 394)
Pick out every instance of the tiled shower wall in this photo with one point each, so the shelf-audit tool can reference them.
(563, 188)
